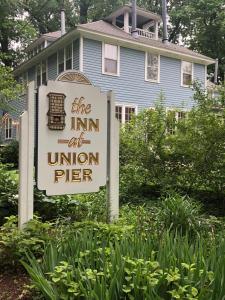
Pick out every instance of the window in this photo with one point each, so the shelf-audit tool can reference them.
(173, 117)
(152, 67)
(8, 128)
(38, 74)
(43, 73)
(124, 112)
(110, 59)
(60, 61)
(186, 73)
(69, 57)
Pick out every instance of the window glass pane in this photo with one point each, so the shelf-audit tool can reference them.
(38, 75)
(8, 128)
(119, 113)
(187, 67)
(187, 79)
(61, 60)
(111, 51)
(110, 66)
(152, 67)
(129, 112)
(171, 122)
(44, 73)
(181, 115)
(69, 57)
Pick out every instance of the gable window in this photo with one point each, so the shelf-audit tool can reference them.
(124, 112)
(152, 67)
(186, 73)
(110, 59)
(8, 128)
(60, 61)
(69, 57)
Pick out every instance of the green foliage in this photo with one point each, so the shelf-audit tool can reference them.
(104, 262)
(8, 193)
(191, 159)
(9, 154)
(14, 243)
(180, 214)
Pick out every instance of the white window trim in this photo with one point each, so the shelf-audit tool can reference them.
(81, 54)
(124, 105)
(6, 124)
(177, 110)
(181, 73)
(146, 67)
(103, 60)
(46, 63)
(64, 57)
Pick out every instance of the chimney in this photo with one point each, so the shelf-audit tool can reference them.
(164, 18)
(63, 22)
(216, 71)
(134, 32)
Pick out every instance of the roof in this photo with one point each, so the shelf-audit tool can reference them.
(140, 11)
(112, 30)
(50, 36)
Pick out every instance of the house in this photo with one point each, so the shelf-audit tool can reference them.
(136, 64)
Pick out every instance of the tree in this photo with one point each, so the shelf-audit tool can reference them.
(15, 32)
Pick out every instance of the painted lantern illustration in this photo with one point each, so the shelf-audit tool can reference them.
(56, 113)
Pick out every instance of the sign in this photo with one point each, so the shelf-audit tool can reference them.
(77, 142)
(72, 138)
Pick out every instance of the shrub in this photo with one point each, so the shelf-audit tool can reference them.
(14, 243)
(90, 264)
(180, 213)
(8, 194)
(9, 154)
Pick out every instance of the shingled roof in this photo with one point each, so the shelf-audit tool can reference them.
(106, 28)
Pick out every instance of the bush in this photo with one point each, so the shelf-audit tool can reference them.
(107, 263)
(14, 243)
(181, 214)
(9, 154)
(189, 160)
(8, 194)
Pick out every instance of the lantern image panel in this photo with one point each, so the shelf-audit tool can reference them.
(56, 113)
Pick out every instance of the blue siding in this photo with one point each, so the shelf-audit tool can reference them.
(199, 74)
(131, 86)
(76, 53)
(52, 67)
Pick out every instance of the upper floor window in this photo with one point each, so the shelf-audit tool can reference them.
(8, 128)
(44, 72)
(69, 57)
(60, 60)
(110, 59)
(186, 73)
(152, 67)
(41, 73)
(38, 71)
(124, 112)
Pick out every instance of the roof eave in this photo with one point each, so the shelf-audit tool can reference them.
(144, 47)
(51, 49)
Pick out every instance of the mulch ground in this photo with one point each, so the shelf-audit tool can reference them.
(13, 286)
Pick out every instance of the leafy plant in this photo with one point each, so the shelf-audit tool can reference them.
(9, 154)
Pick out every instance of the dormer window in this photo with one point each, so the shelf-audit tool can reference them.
(110, 59)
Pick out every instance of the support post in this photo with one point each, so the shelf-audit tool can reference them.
(112, 185)
(26, 160)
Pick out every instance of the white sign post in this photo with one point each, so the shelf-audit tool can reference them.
(78, 142)
(26, 160)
